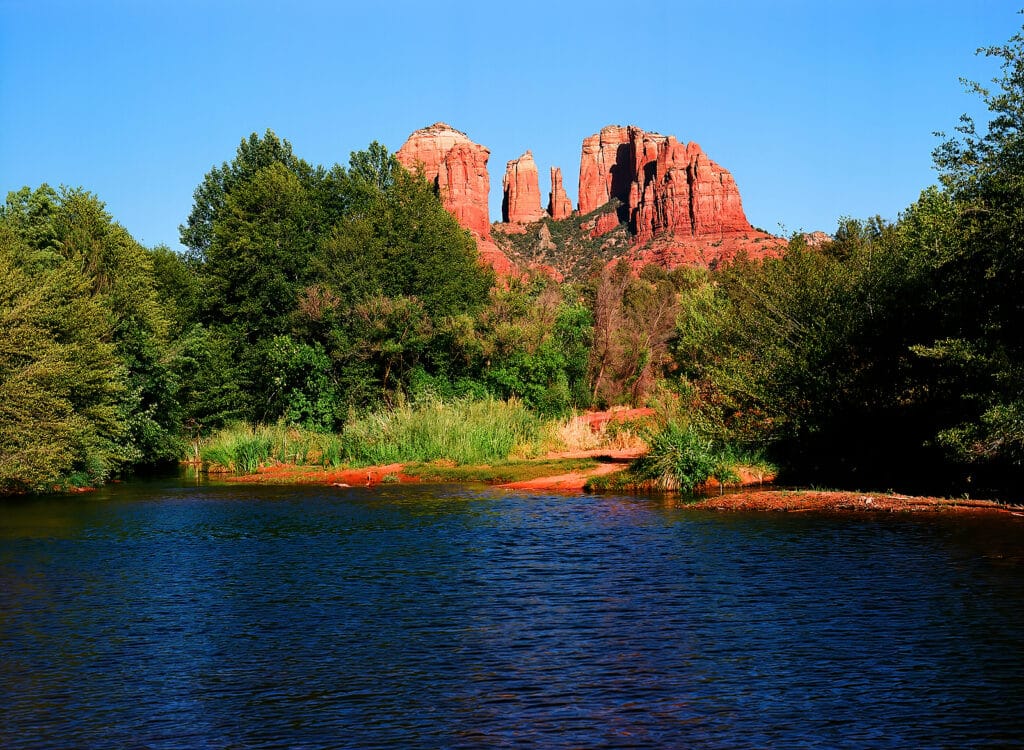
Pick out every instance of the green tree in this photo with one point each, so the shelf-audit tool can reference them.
(176, 280)
(69, 229)
(254, 153)
(359, 265)
(260, 256)
(61, 385)
(397, 240)
(982, 269)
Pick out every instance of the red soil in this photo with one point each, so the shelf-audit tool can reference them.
(364, 477)
(808, 500)
(575, 480)
(791, 501)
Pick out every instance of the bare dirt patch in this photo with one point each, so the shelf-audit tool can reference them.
(794, 501)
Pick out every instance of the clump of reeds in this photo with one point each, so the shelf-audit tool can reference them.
(463, 431)
(239, 447)
(243, 448)
(682, 459)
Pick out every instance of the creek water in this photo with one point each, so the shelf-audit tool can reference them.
(170, 615)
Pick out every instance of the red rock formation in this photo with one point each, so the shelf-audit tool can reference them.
(521, 187)
(603, 223)
(458, 169)
(685, 194)
(670, 252)
(674, 198)
(491, 255)
(680, 207)
(816, 239)
(559, 205)
(603, 168)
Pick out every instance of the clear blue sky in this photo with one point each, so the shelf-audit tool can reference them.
(820, 108)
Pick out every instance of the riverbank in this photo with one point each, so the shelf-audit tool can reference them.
(566, 471)
(796, 501)
(569, 473)
(597, 456)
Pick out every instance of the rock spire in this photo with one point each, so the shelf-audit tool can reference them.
(559, 205)
(521, 187)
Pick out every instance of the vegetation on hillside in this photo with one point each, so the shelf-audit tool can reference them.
(566, 244)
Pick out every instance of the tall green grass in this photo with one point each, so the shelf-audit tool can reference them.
(680, 458)
(243, 448)
(464, 431)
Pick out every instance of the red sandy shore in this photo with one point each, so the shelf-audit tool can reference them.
(813, 500)
(792, 501)
(755, 499)
(290, 473)
(612, 460)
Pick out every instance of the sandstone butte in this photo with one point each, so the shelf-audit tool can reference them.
(521, 188)
(681, 208)
(458, 169)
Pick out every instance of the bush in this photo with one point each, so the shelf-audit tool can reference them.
(680, 459)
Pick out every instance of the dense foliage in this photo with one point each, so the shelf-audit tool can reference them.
(85, 384)
(892, 357)
(342, 300)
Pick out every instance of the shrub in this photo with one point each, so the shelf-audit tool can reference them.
(679, 459)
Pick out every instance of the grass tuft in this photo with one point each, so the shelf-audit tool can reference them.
(682, 459)
(466, 432)
(463, 432)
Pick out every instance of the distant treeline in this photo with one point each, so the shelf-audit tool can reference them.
(892, 357)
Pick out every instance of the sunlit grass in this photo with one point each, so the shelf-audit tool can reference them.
(243, 448)
(465, 432)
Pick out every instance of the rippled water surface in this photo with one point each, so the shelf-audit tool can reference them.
(168, 616)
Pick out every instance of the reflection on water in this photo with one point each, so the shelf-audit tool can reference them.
(186, 616)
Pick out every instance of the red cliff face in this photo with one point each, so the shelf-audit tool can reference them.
(458, 169)
(559, 205)
(681, 206)
(685, 194)
(602, 166)
(521, 186)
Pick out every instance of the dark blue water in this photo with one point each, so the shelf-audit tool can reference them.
(172, 616)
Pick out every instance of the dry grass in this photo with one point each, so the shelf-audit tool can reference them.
(577, 433)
